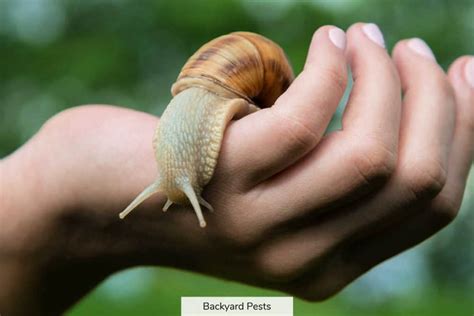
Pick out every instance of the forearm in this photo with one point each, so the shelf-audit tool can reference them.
(25, 231)
(57, 239)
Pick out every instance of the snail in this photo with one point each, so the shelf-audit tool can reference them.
(227, 78)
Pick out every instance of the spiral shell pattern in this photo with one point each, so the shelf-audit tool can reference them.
(244, 64)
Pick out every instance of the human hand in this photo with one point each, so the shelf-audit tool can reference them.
(295, 210)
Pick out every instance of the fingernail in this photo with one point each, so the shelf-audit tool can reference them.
(373, 33)
(421, 48)
(338, 37)
(469, 71)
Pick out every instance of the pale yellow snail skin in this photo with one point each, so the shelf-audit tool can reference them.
(227, 78)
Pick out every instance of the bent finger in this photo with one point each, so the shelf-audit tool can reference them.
(266, 142)
(423, 220)
(374, 107)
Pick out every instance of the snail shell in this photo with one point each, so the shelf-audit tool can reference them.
(227, 78)
(247, 64)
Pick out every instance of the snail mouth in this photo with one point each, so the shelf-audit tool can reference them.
(177, 196)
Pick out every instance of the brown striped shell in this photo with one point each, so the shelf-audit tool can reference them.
(245, 64)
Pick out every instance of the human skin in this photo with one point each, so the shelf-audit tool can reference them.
(296, 210)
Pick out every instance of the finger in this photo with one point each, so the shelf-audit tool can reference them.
(434, 215)
(426, 134)
(409, 187)
(374, 107)
(360, 157)
(269, 140)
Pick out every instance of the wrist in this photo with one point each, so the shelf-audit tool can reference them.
(39, 240)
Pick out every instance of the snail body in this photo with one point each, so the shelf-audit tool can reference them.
(227, 78)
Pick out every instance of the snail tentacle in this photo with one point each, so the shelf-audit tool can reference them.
(149, 191)
(167, 205)
(193, 198)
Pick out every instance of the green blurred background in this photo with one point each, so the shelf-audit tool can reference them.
(58, 54)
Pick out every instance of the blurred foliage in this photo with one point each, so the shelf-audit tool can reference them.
(163, 298)
(57, 54)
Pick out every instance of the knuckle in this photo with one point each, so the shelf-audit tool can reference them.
(239, 239)
(424, 178)
(321, 289)
(277, 272)
(239, 235)
(445, 209)
(286, 260)
(276, 269)
(275, 264)
(300, 136)
(374, 161)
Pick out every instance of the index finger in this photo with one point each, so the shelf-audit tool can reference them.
(269, 140)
